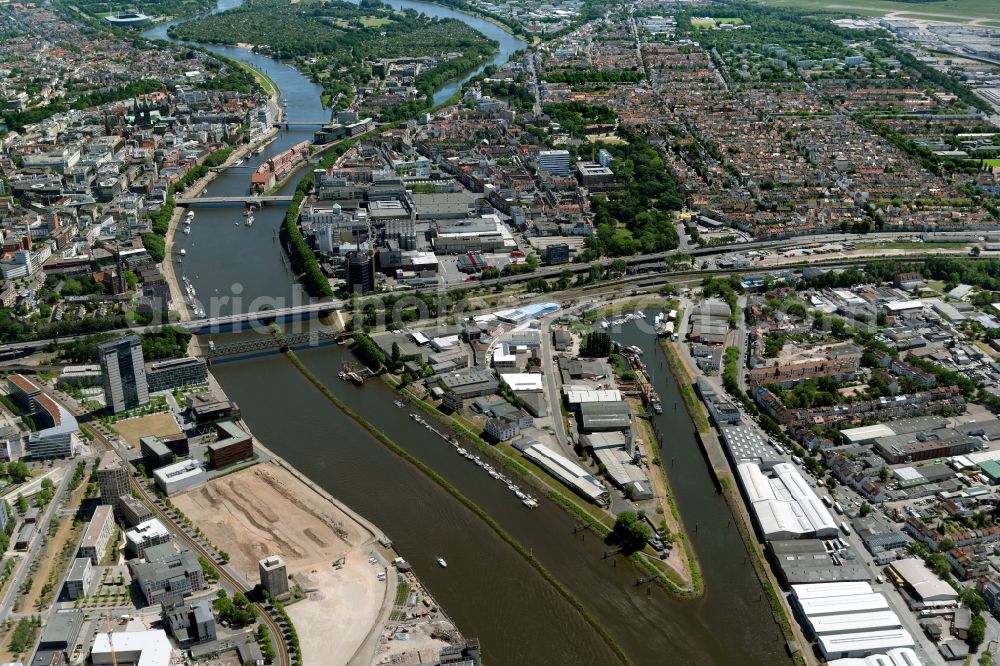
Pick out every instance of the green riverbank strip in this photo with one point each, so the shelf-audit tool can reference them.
(735, 502)
(265, 82)
(538, 478)
(469, 504)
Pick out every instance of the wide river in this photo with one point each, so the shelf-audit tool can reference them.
(488, 589)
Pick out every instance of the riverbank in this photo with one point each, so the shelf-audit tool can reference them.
(346, 588)
(434, 476)
(177, 298)
(685, 375)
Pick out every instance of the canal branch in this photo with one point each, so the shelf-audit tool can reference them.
(468, 503)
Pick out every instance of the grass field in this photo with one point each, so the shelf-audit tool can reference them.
(958, 11)
(711, 22)
(991, 163)
(367, 21)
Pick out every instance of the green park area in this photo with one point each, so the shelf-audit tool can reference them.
(702, 23)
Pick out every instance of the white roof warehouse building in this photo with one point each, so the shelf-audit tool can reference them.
(849, 620)
(564, 469)
(784, 506)
(922, 584)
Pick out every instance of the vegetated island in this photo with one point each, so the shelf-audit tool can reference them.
(346, 47)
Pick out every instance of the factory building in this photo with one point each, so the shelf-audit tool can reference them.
(784, 507)
(565, 470)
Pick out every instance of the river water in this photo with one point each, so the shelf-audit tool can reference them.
(488, 589)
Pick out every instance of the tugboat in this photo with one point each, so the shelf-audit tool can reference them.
(349, 374)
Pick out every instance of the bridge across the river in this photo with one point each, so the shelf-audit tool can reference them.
(232, 202)
(260, 344)
(261, 317)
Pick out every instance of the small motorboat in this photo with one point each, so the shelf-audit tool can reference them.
(442, 562)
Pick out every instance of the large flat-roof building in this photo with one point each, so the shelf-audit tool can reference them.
(146, 535)
(800, 561)
(470, 383)
(784, 507)
(233, 444)
(942, 443)
(565, 470)
(95, 539)
(167, 575)
(124, 374)
(145, 648)
(179, 476)
(59, 638)
(176, 372)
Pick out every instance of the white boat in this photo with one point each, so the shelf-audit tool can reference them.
(250, 220)
(442, 562)
(460, 451)
(187, 231)
(530, 503)
(183, 252)
(238, 163)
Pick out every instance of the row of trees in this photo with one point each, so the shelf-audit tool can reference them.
(369, 352)
(596, 345)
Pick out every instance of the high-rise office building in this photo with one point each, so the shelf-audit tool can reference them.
(112, 480)
(124, 375)
(554, 162)
(360, 273)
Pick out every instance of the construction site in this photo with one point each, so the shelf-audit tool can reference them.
(336, 566)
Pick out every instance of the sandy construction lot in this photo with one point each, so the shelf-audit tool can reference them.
(265, 510)
(132, 430)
